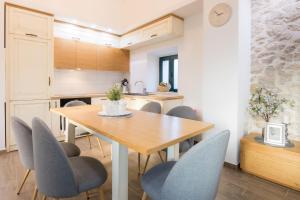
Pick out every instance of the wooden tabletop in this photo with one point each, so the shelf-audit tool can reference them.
(143, 132)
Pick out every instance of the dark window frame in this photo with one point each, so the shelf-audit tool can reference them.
(171, 60)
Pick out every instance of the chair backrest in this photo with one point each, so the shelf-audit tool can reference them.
(23, 136)
(54, 175)
(183, 112)
(187, 113)
(152, 107)
(196, 175)
(75, 103)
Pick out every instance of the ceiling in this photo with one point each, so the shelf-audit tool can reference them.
(116, 16)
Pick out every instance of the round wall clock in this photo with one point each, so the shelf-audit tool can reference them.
(220, 14)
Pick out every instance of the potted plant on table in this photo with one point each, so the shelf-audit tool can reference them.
(265, 104)
(114, 105)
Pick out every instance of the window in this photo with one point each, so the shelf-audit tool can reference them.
(168, 71)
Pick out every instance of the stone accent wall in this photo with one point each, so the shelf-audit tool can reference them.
(276, 52)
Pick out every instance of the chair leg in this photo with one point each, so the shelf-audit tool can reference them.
(160, 156)
(101, 147)
(146, 164)
(139, 164)
(89, 138)
(101, 194)
(144, 196)
(87, 195)
(35, 193)
(23, 181)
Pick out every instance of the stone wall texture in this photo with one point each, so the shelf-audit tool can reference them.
(276, 53)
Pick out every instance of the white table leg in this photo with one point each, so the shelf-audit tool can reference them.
(119, 171)
(70, 132)
(173, 153)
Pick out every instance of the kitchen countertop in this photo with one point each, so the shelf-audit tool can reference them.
(158, 96)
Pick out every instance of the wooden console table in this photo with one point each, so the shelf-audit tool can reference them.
(279, 165)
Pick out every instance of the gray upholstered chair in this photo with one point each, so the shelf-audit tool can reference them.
(187, 113)
(195, 176)
(23, 136)
(81, 103)
(182, 112)
(152, 107)
(58, 176)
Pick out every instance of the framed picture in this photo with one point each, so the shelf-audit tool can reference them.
(275, 134)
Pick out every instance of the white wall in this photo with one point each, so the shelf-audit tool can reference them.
(214, 68)
(190, 58)
(71, 82)
(2, 78)
(144, 64)
(226, 73)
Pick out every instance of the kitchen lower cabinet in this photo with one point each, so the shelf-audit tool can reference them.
(56, 121)
(98, 101)
(27, 110)
(138, 103)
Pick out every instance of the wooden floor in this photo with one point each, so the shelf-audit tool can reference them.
(234, 185)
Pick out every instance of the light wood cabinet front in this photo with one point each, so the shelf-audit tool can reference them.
(87, 55)
(72, 54)
(65, 53)
(113, 59)
(29, 64)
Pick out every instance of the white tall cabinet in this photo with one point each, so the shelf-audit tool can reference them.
(29, 66)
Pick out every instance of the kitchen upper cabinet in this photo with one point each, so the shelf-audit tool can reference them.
(131, 39)
(29, 61)
(166, 28)
(113, 59)
(32, 24)
(74, 54)
(65, 53)
(87, 55)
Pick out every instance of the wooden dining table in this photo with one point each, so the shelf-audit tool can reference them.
(142, 132)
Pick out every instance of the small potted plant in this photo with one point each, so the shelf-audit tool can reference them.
(265, 104)
(114, 105)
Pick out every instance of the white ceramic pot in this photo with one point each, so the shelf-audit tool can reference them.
(114, 107)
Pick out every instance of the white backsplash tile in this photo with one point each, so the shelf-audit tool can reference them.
(72, 82)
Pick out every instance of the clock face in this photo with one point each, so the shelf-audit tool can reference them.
(220, 14)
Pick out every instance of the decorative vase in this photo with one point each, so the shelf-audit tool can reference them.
(262, 124)
(114, 107)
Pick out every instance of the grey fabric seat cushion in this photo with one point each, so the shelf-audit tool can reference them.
(70, 149)
(152, 182)
(89, 172)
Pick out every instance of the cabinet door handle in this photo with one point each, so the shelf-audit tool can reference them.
(129, 43)
(49, 81)
(55, 104)
(154, 35)
(49, 105)
(31, 35)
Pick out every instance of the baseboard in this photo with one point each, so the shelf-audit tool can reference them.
(227, 164)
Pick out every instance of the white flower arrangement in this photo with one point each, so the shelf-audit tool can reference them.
(266, 104)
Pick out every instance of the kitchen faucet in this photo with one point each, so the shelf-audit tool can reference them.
(144, 88)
